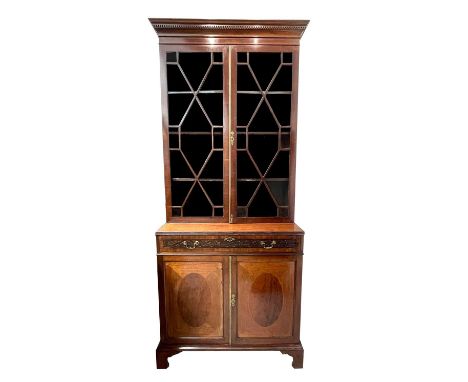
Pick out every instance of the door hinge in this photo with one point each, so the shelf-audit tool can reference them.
(230, 218)
(231, 138)
(233, 300)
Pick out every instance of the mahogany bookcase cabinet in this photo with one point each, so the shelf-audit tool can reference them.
(230, 255)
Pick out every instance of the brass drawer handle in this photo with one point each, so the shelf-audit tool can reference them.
(266, 246)
(187, 245)
(229, 239)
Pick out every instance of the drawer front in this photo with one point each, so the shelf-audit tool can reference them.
(237, 244)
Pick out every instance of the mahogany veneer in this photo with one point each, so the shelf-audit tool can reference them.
(230, 256)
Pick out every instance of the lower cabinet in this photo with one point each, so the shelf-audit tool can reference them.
(224, 302)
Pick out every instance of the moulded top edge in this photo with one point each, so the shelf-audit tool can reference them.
(276, 28)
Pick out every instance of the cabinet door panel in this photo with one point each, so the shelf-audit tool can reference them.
(264, 100)
(194, 86)
(194, 298)
(265, 298)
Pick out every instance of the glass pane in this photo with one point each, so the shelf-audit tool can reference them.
(264, 120)
(246, 106)
(241, 140)
(281, 106)
(175, 79)
(245, 166)
(180, 191)
(213, 105)
(214, 190)
(179, 165)
(214, 167)
(264, 85)
(217, 57)
(264, 66)
(241, 57)
(263, 149)
(285, 141)
(195, 115)
(283, 81)
(171, 57)
(197, 203)
(245, 79)
(218, 141)
(195, 66)
(173, 141)
(196, 149)
(279, 189)
(280, 166)
(178, 105)
(214, 79)
(262, 204)
(287, 57)
(245, 191)
(195, 120)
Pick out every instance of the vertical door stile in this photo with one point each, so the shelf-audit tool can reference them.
(228, 300)
(233, 299)
(230, 133)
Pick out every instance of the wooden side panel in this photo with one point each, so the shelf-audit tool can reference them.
(265, 298)
(194, 306)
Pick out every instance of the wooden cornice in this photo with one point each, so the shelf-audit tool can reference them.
(229, 28)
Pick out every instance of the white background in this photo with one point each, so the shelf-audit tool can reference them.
(382, 191)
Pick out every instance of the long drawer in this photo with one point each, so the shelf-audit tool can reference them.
(230, 244)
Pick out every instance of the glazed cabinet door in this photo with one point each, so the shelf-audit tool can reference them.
(192, 297)
(266, 301)
(194, 90)
(264, 109)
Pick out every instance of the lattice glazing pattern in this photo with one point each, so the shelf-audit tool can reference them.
(195, 114)
(264, 85)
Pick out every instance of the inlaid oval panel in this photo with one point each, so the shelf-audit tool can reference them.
(266, 299)
(194, 299)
